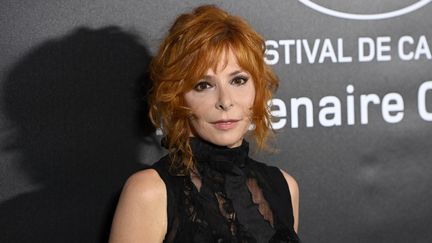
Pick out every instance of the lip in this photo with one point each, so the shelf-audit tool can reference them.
(225, 124)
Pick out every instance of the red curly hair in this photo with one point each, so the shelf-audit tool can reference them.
(194, 44)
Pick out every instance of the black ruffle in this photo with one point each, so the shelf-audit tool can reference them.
(223, 209)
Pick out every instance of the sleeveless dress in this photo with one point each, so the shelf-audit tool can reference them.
(239, 200)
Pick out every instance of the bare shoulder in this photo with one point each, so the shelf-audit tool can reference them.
(141, 214)
(294, 193)
(144, 188)
(145, 185)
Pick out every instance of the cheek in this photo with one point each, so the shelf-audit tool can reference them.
(199, 108)
(199, 111)
(199, 122)
(247, 100)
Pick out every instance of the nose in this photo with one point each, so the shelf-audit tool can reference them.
(224, 101)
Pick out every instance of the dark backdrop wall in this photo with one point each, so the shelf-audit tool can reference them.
(353, 115)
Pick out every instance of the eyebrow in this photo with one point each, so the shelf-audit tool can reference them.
(207, 77)
(235, 73)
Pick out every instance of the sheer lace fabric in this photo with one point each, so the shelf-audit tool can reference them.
(229, 199)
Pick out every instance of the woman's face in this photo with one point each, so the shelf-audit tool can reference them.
(221, 103)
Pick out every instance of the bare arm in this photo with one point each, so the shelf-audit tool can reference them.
(294, 191)
(141, 214)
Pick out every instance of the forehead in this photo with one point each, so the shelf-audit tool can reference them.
(226, 63)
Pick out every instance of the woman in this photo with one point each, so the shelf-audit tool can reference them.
(210, 85)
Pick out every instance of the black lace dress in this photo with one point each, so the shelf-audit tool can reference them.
(234, 199)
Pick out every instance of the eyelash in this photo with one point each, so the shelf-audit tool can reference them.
(243, 80)
(198, 87)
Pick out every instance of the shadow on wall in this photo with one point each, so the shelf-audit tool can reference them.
(73, 103)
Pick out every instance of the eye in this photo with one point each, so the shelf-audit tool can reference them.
(239, 80)
(202, 85)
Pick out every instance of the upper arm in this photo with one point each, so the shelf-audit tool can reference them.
(294, 191)
(141, 214)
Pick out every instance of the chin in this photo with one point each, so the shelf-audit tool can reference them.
(229, 138)
(228, 141)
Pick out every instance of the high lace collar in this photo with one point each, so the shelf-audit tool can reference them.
(229, 204)
(220, 158)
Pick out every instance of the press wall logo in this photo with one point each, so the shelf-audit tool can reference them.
(408, 8)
